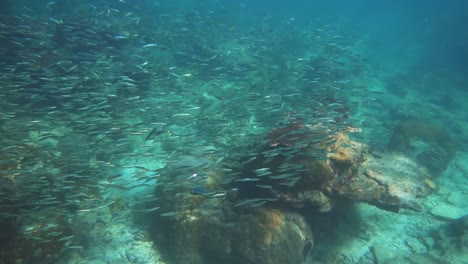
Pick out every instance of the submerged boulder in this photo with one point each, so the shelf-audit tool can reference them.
(389, 181)
(214, 232)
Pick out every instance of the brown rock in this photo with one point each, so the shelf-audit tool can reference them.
(390, 181)
(264, 236)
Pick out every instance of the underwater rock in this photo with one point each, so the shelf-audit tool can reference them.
(458, 198)
(312, 199)
(416, 245)
(448, 212)
(267, 236)
(264, 236)
(381, 253)
(42, 239)
(389, 181)
(196, 228)
(292, 167)
(428, 143)
(346, 154)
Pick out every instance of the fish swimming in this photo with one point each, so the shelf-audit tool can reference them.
(200, 190)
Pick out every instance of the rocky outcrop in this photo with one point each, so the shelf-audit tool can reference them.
(256, 214)
(213, 231)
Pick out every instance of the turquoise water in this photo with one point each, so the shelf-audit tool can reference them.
(215, 132)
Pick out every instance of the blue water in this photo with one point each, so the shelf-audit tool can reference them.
(128, 130)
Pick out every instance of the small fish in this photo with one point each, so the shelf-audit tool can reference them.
(246, 179)
(255, 202)
(65, 238)
(249, 160)
(135, 133)
(182, 114)
(149, 210)
(202, 191)
(168, 214)
(153, 131)
(75, 247)
(263, 186)
(149, 45)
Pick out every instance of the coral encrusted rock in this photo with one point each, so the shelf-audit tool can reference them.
(263, 236)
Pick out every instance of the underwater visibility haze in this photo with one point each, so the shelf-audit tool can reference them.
(254, 132)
